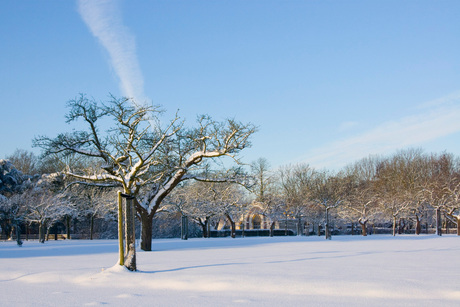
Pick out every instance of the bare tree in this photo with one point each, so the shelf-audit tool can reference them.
(329, 192)
(452, 207)
(297, 187)
(198, 202)
(230, 201)
(263, 179)
(362, 204)
(439, 186)
(93, 202)
(398, 182)
(146, 159)
(25, 161)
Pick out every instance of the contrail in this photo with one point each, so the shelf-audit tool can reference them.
(437, 119)
(103, 18)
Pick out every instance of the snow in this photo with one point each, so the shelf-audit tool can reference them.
(280, 271)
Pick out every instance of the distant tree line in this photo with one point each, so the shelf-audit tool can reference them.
(409, 191)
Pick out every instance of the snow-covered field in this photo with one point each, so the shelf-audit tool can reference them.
(281, 271)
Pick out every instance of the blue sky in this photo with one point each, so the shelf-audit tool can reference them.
(327, 82)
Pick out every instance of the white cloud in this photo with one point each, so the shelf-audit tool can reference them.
(103, 18)
(437, 119)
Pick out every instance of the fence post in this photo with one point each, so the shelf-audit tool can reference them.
(120, 230)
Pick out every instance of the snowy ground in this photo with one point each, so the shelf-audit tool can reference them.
(280, 271)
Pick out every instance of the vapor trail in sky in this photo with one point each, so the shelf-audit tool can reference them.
(437, 119)
(103, 18)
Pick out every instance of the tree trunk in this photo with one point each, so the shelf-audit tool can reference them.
(232, 226)
(67, 226)
(146, 231)
(352, 229)
(401, 226)
(363, 228)
(394, 226)
(426, 222)
(418, 225)
(41, 232)
(130, 232)
(272, 228)
(18, 235)
(47, 233)
(438, 222)
(91, 227)
(208, 228)
(458, 225)
(326, 228)
(299, 226)
(204, 227)
(285, 226)
(184, 228)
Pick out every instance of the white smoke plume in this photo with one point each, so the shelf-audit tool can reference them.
(104, 19)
